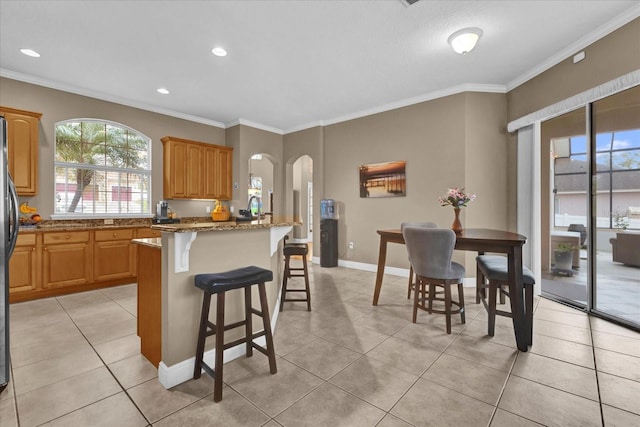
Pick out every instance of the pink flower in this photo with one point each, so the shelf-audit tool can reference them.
(456, 197)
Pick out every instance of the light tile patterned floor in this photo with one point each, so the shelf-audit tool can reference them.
(76, 362)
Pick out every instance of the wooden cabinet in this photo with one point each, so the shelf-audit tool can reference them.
(113, 254)
(149, 302)
(66, 259)
(147, 233)
(22, 149)
(23, 265)
(196, 170)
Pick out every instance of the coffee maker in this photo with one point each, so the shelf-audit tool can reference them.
(162, 214)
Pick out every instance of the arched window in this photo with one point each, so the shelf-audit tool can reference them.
(102, 169)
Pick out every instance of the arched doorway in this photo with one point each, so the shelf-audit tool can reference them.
(303, 203)
(261, 186)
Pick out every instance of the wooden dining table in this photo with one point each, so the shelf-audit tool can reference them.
(479, 240)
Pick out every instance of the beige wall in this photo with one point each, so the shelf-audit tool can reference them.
(612, 56)
(57, 106)
(456, 141)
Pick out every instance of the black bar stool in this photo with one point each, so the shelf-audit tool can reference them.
(493, 274)
(219, 284)
(289, 250)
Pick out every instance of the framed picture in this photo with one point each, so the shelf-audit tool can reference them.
(383, 179)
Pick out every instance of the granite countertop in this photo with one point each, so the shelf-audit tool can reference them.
(78, 227)
(154, 242)
(266, 222)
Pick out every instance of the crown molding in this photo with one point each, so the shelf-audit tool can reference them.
(470, 87)
(574, 48)
(105, 97)
(245, 122)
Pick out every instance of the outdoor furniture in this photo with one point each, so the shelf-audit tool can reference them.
(570, 237)
(626, 248)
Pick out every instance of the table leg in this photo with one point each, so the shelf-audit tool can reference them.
(382, 260)
(516, 297)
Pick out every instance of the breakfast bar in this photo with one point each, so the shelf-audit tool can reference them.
(209, 247)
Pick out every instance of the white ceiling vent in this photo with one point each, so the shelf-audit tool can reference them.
(408, 3)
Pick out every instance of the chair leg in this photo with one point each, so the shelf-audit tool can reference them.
(492, 308)
(528, 294)
(416, 295)
(432, 295)
(461, 300)
(217, 380)
(306, 282)
(501, 295)
(202, 335)
(283, 295)
(410, 282)
(447, 306)
(248, 323)
(479, 284)
(266, 321)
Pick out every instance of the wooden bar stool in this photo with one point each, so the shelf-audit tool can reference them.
(289, 250)
(493, 275)
(219, 284)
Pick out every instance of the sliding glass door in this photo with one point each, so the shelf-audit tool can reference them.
(616, 211)
(592, 209)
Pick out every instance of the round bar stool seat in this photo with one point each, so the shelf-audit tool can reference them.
(289, 250)
(493, 274)
(218, 284)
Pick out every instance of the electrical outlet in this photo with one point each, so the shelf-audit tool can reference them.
(350, 245)
(108, 222)
(208, 209)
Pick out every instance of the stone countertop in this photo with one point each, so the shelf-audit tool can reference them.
(77, 227)
(266, 222)
(154, 242)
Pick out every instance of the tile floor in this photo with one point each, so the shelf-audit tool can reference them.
(76, 362)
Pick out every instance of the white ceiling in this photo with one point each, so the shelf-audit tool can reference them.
(291, 64)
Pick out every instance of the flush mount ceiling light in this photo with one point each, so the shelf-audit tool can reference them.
(163, 91)
(218, 51)
(30, 52)
(465, 40)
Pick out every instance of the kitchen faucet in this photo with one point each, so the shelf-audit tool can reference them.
(249, 205)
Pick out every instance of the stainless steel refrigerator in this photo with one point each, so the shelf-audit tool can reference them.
(8, 234)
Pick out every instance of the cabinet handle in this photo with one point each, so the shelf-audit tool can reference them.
(67, 237)
(33, 249)
(115, 234)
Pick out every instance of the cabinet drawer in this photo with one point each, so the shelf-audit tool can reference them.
(26, 239)
(65, 237)
(106, 235)
(147, 233)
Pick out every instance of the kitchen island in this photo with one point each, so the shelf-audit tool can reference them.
(190, 249)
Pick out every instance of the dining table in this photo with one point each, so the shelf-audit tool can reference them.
(480, 240)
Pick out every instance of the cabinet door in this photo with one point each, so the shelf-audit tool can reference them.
(114, 260)
(225, 190)
(194, 172)
(23, 269)
(175, 170)
(211, 168)
(114, 255)
(147, 233)
(22, 149)
(66, 265)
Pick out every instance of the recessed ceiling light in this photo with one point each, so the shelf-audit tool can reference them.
(163, 91)
(218, 51)
(30, 52)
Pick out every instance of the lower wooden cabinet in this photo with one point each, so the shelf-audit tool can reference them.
(51, 263)
(23, 265)
(66, 259)
(113, 254)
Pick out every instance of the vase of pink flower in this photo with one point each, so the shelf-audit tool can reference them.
(458, 199)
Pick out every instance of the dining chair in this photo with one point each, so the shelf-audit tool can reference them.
(430, 251)
(428, 224)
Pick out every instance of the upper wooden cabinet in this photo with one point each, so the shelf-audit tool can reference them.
(196, 170)
(22, 149)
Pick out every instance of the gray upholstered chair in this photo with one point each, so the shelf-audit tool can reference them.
(427, 224)
(493, 275)
(430, 251)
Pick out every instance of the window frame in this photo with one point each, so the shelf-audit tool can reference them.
(103, 169)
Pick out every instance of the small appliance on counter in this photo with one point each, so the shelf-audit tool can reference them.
(164, 214)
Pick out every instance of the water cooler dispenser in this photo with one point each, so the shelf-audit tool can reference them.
(328, 233)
